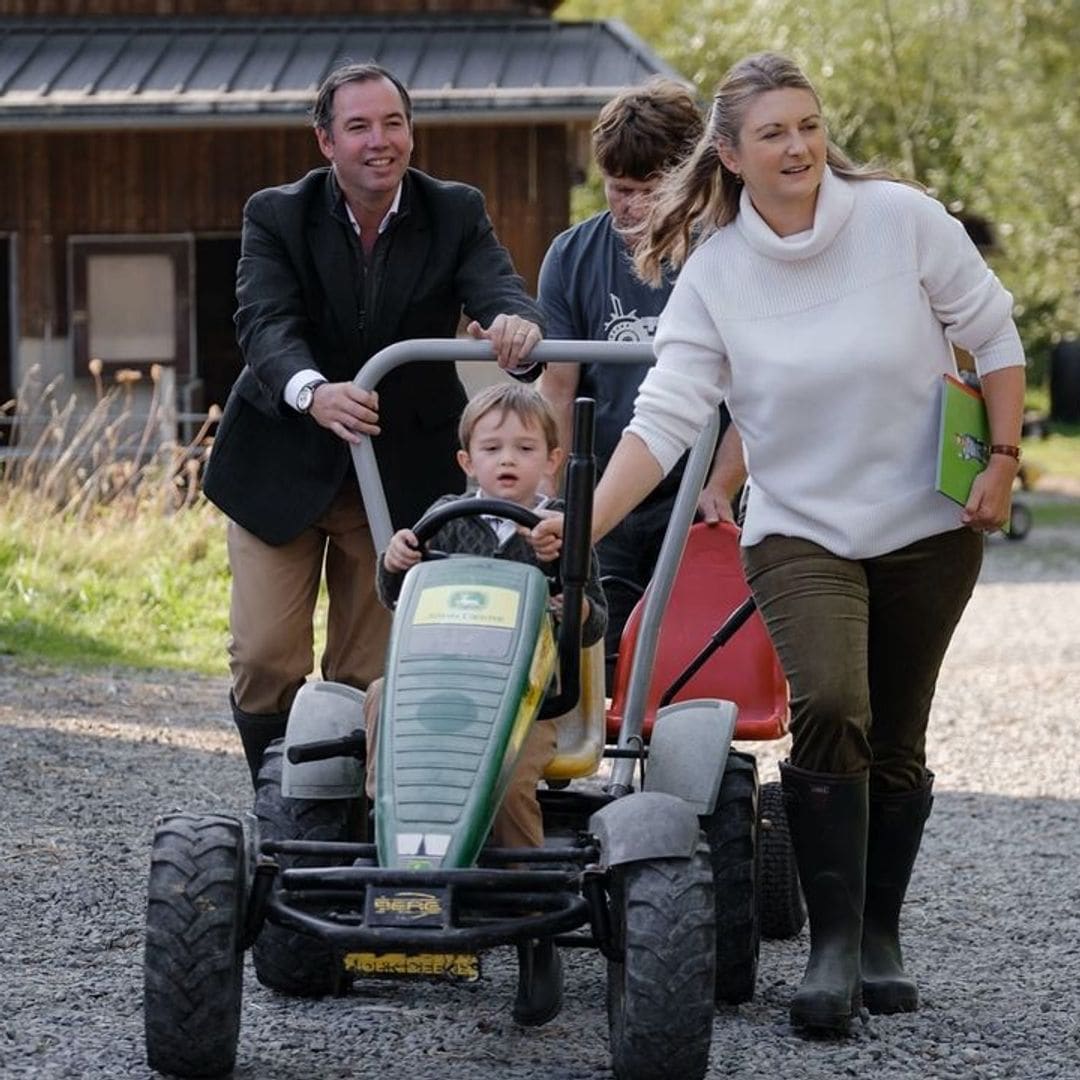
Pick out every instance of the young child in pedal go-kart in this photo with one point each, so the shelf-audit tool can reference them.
(509, 447)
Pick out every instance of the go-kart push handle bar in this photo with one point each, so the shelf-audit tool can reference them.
(446, 350)
(682, 514)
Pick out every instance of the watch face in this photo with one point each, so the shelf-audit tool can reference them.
(303, 398)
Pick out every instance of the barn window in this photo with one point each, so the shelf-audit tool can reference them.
(131, 302)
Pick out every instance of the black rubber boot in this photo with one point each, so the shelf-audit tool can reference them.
(895, 833)
(257, 733)
(539, 993)
(827, 819)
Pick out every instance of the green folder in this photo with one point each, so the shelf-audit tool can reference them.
(964, 441)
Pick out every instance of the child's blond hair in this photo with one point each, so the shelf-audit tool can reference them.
(523, 401)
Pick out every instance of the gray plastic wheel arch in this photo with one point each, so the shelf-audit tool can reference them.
(645, 825)
(323, 710)
(688, 750)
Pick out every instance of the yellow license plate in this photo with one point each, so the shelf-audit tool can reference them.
(461, 966)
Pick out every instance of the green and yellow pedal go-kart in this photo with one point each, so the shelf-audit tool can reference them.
(472, 663)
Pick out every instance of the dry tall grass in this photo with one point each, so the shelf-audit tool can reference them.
(76, 462)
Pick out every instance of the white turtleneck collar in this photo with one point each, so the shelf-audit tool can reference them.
(834, 205)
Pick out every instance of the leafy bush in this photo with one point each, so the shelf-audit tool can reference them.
(978, 101)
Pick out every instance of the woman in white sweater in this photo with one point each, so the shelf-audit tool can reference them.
(821, 302)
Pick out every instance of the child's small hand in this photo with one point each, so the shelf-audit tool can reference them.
(402, 552)
(546, 538)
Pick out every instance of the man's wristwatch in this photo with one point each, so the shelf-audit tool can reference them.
(306, 395)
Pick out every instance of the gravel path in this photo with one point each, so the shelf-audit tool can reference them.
(993, 919)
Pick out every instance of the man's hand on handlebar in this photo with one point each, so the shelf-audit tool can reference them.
(512, 337)
(346, 410)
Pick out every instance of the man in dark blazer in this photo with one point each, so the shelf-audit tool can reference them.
(333, 268)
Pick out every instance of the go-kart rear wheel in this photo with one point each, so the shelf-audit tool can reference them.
(286, 960)
(193, 961)
(660, 996)
(781, 907)
(732, 832)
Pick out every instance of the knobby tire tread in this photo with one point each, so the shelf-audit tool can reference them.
(732, 833)
(660, 998)
(193, 963)
(781, 905)
(286, 960)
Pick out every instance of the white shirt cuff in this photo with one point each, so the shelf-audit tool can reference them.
(298, 381)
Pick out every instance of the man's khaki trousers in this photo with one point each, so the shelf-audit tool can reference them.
(274, 592)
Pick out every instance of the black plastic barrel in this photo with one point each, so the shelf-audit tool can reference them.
(1065, 382)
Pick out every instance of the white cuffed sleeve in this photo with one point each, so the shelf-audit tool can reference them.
(681, 393)
(966, 295)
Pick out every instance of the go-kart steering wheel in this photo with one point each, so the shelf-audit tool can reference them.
(437, 517)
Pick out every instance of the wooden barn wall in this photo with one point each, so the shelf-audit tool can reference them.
(57, 185)
(53, 8)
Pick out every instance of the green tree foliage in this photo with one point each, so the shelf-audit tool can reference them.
(977, 99)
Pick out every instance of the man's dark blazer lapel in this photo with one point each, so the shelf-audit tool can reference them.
(334, 262)
(409, 259)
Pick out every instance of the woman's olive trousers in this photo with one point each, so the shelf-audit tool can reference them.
(861, 642)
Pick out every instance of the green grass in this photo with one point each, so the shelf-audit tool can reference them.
(1055, 513)
(1056, 455)
(145, 592)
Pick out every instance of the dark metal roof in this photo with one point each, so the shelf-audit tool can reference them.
(109, 72)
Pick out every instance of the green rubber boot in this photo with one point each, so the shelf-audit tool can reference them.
(895, 833)
(827, 817)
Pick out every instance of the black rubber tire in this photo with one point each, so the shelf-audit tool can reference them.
(732, 832)
(660, 997)
(193, 960)
(286, 960)
(781, 906)
(1019, 522)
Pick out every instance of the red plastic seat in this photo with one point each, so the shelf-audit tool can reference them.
(708, 587)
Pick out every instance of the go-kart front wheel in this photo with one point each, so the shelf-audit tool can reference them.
(193, 962)
(660, 995)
